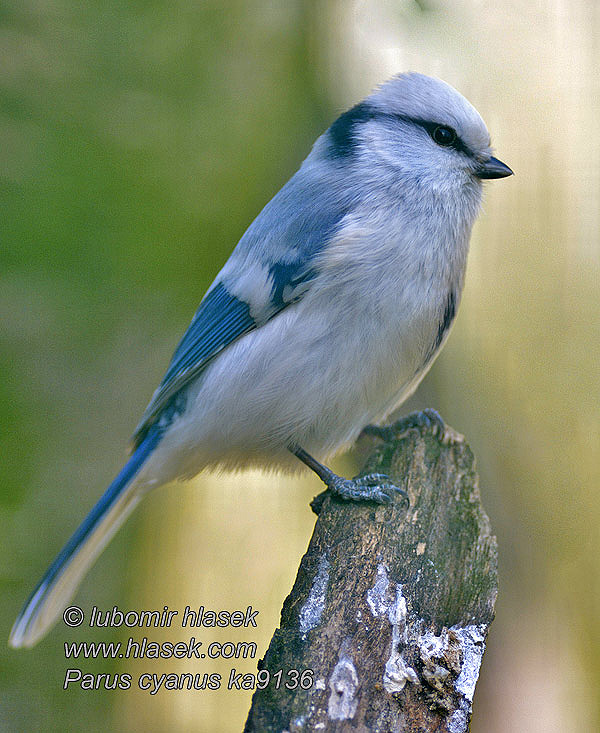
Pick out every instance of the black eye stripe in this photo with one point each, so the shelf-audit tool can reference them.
(432, 127)
(342, 131)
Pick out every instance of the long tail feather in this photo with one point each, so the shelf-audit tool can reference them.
(54, 591)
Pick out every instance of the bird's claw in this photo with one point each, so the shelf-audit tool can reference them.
(428, 419)
(375, 487)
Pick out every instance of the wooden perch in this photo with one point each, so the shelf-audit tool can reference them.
(391, 608)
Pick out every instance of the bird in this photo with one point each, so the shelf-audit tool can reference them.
(325, 318)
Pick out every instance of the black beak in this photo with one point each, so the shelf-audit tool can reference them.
(493, 168)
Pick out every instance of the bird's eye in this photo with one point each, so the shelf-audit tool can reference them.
(444, 136)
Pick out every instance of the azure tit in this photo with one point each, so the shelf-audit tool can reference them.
(325, 318)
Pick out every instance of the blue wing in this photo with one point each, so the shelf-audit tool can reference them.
(272, 266)
(220, 319)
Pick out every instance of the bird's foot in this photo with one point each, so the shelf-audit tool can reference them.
(428, 419)
(383, 432)
(374, 487)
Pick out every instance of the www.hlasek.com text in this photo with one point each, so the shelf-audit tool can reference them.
(148, 649)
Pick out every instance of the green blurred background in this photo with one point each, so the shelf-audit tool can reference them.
(137, 142)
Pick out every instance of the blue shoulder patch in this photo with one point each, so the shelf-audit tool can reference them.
(290, 281)
(220, 319)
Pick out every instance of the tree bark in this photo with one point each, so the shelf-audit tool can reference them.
(391, 607)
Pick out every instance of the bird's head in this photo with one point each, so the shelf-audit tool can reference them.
(421, 127)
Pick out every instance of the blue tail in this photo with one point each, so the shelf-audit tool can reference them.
(56, 588)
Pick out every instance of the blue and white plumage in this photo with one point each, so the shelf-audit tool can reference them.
(324, 319)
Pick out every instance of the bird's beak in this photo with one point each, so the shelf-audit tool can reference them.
(493, 168)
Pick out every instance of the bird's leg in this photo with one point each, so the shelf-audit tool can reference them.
(375, 487)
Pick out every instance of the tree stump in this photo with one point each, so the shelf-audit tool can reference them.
(385, 627)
